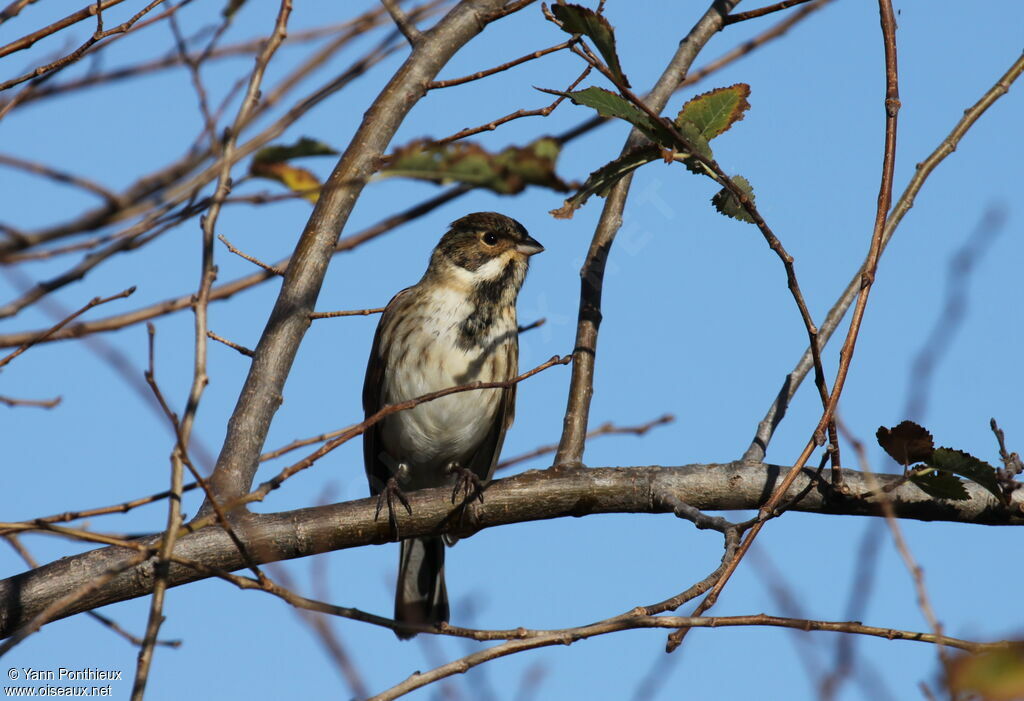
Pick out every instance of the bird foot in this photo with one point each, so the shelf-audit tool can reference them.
(467, 482)
(388, 495)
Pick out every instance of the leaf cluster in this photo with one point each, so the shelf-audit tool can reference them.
(936, 471)
(684, 139)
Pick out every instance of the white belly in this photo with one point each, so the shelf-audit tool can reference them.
(430, 436)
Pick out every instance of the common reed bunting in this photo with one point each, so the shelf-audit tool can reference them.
(457, 325)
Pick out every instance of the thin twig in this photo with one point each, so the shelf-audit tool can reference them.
(530, 640)
(605, 429)
(518, 114)
(916, 573)
(762, 11)
(47, 70)
(42, 403)
(346, 312)
(60, 176)
(200, 378)
(230, 344)
(892, 105)
(252, 259)
(766, 428)
(437, 84)
(402, 21)
(94, 302)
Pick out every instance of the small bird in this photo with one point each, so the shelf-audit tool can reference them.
(457, 325)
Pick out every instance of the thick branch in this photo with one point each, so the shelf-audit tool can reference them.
(531, 496)
(272, 361)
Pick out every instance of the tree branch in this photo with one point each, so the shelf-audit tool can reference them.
(581, 388)
(531, 496)
(272, 361)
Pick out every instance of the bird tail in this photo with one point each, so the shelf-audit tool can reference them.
(421, 596)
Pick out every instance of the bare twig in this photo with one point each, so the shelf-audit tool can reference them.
(892, 105)
(94, 302)
(518, 114)
(530, 640)
(605, 429)
(42, 403)
(762, 11)
(229, 289)
(347, 312)
(100, 34)
(200, 378)
(577, 412)
(766, 428)
(230, 344)
(916, 573)
(30, 39)
(437, 84)
(402, 21)
(60, 176)
(252, 259)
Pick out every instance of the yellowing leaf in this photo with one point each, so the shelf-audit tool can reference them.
(991, 676)
(300, 149)
(296, 179)
(712, 113)
(577, 19)
(507, 172)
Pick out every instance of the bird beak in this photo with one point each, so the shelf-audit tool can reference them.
(529, 247)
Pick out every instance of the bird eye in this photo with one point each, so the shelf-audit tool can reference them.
(489, 239)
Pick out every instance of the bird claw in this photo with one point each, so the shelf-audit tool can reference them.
(388, 495)
(467, 482)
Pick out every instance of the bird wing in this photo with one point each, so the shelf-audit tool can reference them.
(485, 458)
(377, 473)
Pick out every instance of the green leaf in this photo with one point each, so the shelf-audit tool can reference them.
(294, 178)
(608, 104)
(300, 149)
(940, 485)
(966, 465)
(906, 443)
(727, 203)
(577, 19)
(601, 180)
(712, 113)
(506, 173)
(700, 145)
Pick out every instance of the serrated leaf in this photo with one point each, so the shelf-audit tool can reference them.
(507, 172)
(294, 178)
(906, 443)
(601, 180)
(727, 203)
(608, 104)
(577, 19)
(300, 149)
(966, 465)
(700, 145)
(713, 112)
(997, 675)
(941, 485)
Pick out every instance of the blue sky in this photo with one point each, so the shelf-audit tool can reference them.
(697, 322)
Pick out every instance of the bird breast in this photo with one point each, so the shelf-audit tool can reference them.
(450, 428)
